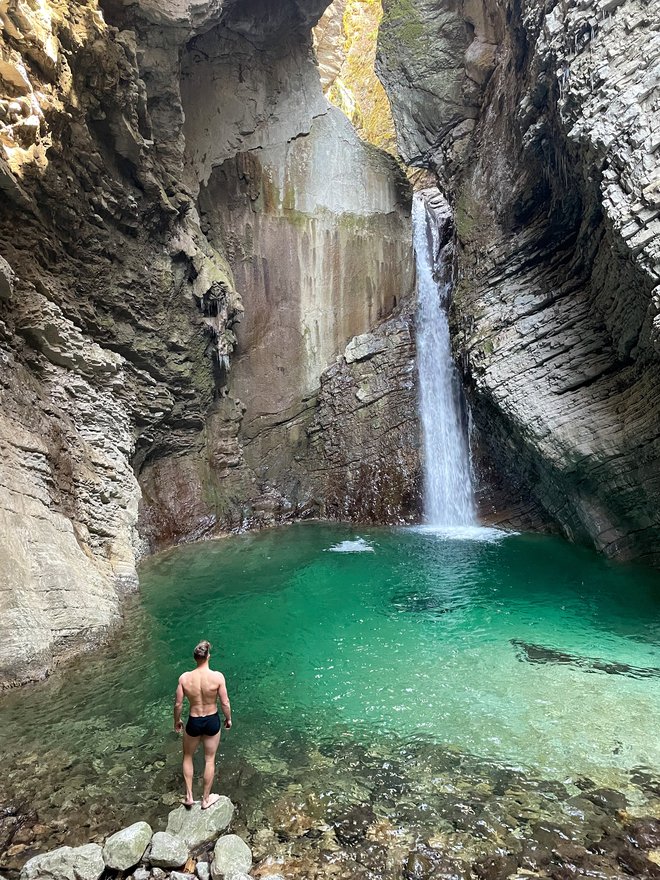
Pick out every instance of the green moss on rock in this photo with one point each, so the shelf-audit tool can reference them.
(401, 25)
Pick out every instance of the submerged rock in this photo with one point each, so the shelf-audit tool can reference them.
(167, 851)
(125, 848)
(231, 855)
(351, 826)
(542, 654)
(418, 867)
(196, 826)
(66, 863)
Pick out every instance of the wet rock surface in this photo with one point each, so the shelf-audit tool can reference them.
(122, 426)
(541, 124)
(347, 810)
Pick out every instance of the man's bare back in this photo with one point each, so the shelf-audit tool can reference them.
(202, 687)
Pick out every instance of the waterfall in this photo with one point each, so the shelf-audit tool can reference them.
(448, 496)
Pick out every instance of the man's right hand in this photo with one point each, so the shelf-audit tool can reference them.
(178, 727)
(227, 723)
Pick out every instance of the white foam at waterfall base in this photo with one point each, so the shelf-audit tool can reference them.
(448, 495)
(357, 546)
(484, 534)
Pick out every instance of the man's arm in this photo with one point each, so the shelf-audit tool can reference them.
(178, 706)
(224, 701)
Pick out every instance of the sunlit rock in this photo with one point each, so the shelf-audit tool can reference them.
(195, 825)
(125, 848)
(66, 863)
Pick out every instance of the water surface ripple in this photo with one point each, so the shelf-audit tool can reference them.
(436, 669)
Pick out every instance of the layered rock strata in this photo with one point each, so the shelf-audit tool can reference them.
(107, 357)
(121, 425)
(549, 151)
(315, 226)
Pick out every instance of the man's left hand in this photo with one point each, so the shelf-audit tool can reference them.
(178, 727)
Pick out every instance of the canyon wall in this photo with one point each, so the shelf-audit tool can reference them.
(542, 125)
(122, 416)
(206, 280)
(315, 225)
(108, 356)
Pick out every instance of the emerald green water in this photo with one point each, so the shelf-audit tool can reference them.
(409, 646)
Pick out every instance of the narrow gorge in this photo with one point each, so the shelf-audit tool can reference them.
(330, 333)
(168, 374)
(192, 235)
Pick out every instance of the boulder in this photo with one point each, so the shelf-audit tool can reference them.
(351, 826)
(203, 870)
(66, 863)
(418, 867)
(178, 875)
(231, 856)
(167, 851)
(125, 848)
(196, 826)
(141, 874)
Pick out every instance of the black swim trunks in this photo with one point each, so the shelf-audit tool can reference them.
(203, 725)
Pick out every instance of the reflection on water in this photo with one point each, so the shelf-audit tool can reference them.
(391, 679)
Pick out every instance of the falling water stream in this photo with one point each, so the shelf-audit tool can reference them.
(479, 700)
(448, 482)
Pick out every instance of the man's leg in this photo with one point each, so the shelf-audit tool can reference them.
(211, 744)
(190, 744)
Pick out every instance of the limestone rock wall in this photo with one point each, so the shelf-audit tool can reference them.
(316, 227)
(365, 431)
(123, 424)
(345, 42)
(108, 355)
(552, 165)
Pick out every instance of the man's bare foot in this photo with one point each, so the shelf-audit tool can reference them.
(208, 802)
(188, 802)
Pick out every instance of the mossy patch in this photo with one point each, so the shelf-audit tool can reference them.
(401, 25)
(465, 217)
(357, 91)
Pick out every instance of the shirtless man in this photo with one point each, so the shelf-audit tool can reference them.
(203, 688)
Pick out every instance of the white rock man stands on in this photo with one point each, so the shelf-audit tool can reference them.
(202, 687)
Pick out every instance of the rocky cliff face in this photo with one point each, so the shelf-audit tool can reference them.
(108, 358)
(542, 124)
(345, 41)
(168, 168)
(148, 149)
(315, 226)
